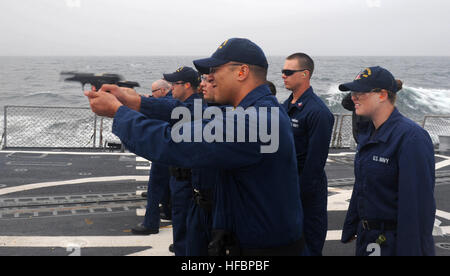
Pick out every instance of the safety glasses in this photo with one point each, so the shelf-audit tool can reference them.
(288, 73)
(213, 70)
(375, 90)
(360, 95)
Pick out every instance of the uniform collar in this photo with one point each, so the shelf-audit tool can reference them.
(300, 101)
(192, 98)
(384, 132)
(255, 95)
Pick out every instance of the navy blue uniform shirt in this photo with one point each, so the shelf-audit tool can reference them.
(161, 108)
(312, 124)
(394, 181)
(262, 189)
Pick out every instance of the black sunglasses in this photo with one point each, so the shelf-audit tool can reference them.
(291, 72)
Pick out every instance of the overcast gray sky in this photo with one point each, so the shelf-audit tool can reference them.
(197, 27)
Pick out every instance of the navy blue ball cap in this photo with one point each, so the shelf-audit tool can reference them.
(234, 49)
(370, 79)
(185, 74)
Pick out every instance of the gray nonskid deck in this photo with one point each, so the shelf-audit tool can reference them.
(95, 217)
(69, 205)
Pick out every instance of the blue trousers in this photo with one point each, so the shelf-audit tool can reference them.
(199, 226)
(181, 192)
(158, 192)
(315, 219)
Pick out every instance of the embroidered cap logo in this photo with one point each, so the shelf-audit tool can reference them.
(223, 44)
(364, 74)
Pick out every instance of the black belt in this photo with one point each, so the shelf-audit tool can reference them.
(293, 249)
(381, 225)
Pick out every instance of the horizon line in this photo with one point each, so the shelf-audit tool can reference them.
(168, 55)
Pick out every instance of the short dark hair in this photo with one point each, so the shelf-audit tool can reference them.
(259, 72)
(305, 61)
(194, 85)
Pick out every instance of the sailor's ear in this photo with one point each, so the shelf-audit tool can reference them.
(383, 95)
(244, 71)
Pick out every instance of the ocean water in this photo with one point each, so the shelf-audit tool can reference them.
(36, 81)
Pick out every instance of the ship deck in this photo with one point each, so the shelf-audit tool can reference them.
(55, 203)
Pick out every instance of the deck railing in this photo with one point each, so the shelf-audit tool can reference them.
(79, 128)
(55, 127)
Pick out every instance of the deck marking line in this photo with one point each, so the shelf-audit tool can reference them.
(442, 164)
(69, 182)
(162, 240)
(442, 214)
(69, 153)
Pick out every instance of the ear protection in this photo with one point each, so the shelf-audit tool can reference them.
(240, 74)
